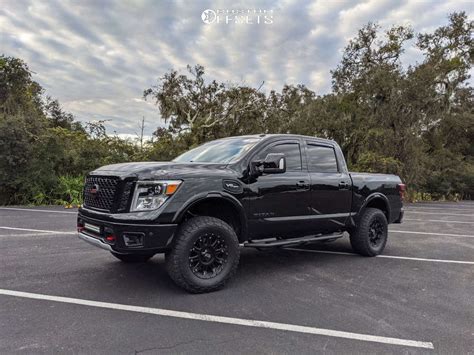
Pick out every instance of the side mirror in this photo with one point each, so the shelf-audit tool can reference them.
(274, 163)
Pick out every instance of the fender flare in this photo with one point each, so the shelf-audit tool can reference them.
(378, 196)
(179, 215)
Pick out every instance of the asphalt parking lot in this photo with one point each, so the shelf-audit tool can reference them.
(59, 294)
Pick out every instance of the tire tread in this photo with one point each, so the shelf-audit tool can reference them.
(173, 257)
(359, 237)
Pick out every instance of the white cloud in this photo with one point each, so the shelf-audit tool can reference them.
(97, 57)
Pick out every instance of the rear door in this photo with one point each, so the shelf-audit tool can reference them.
(331, 194)
(279, 203)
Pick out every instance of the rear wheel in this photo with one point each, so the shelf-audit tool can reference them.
(133, 258)
(205, 255)
(370, 237)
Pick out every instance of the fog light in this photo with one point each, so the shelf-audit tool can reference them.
(133, 239)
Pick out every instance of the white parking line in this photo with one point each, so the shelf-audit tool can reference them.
(33, 210)
(438, 208)
(435, 220)
(441, 204)
(445, 214)
(430, 233)
(42, 234)
(425, 259)
(37, 230)
(384, 256)
(225, 320)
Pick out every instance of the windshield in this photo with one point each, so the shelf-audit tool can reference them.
(221, 151)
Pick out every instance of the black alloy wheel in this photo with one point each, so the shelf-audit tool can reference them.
(204, 256)
(208, 256)
(376, 233)
(370, 236)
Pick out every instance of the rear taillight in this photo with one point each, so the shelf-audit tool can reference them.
(401, 190)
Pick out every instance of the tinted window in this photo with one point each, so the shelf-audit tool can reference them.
(321, 159)
(291, 151)
(219, 151)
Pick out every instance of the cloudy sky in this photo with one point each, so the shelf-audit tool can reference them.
(98, 56)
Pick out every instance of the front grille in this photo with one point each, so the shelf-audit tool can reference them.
(125, 196)
(99, 192)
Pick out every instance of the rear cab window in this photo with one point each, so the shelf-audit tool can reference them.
(321, 158)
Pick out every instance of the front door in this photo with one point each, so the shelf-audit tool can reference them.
(279, 203)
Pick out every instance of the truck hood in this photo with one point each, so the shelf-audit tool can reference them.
(163, 170)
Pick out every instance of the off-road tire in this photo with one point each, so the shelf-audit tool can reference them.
(178, 260)
(132, 258)
(362, 238)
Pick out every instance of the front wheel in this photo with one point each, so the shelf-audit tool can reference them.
(132, 258)
(370, 236)
(205, 255)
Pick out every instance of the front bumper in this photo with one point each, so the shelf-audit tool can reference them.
(128, 238)
(94, 241)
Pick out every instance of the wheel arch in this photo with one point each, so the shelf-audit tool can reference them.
(216, 204)
(379, 201)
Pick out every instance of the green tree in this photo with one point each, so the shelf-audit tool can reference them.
(449, 136)
(199, 112)
(44, 152)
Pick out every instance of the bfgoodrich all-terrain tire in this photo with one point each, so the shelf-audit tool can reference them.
(205, 255)
(370, 237)
(132, 258)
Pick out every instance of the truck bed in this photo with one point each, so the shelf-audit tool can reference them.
(385, 184)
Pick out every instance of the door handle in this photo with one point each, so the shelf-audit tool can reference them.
(343, 185)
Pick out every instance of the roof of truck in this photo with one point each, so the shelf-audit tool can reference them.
(282, 135)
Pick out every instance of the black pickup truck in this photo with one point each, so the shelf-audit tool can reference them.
(260, 191)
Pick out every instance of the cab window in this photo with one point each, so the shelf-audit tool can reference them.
(321, 159)
(292, 154)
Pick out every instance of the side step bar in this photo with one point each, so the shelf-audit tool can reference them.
(270, 243)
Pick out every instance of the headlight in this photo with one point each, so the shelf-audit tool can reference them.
(150, 195)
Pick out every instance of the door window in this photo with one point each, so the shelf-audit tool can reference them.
(292, 154)
(321, 159)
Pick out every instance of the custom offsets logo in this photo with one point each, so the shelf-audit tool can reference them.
(238, 16)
